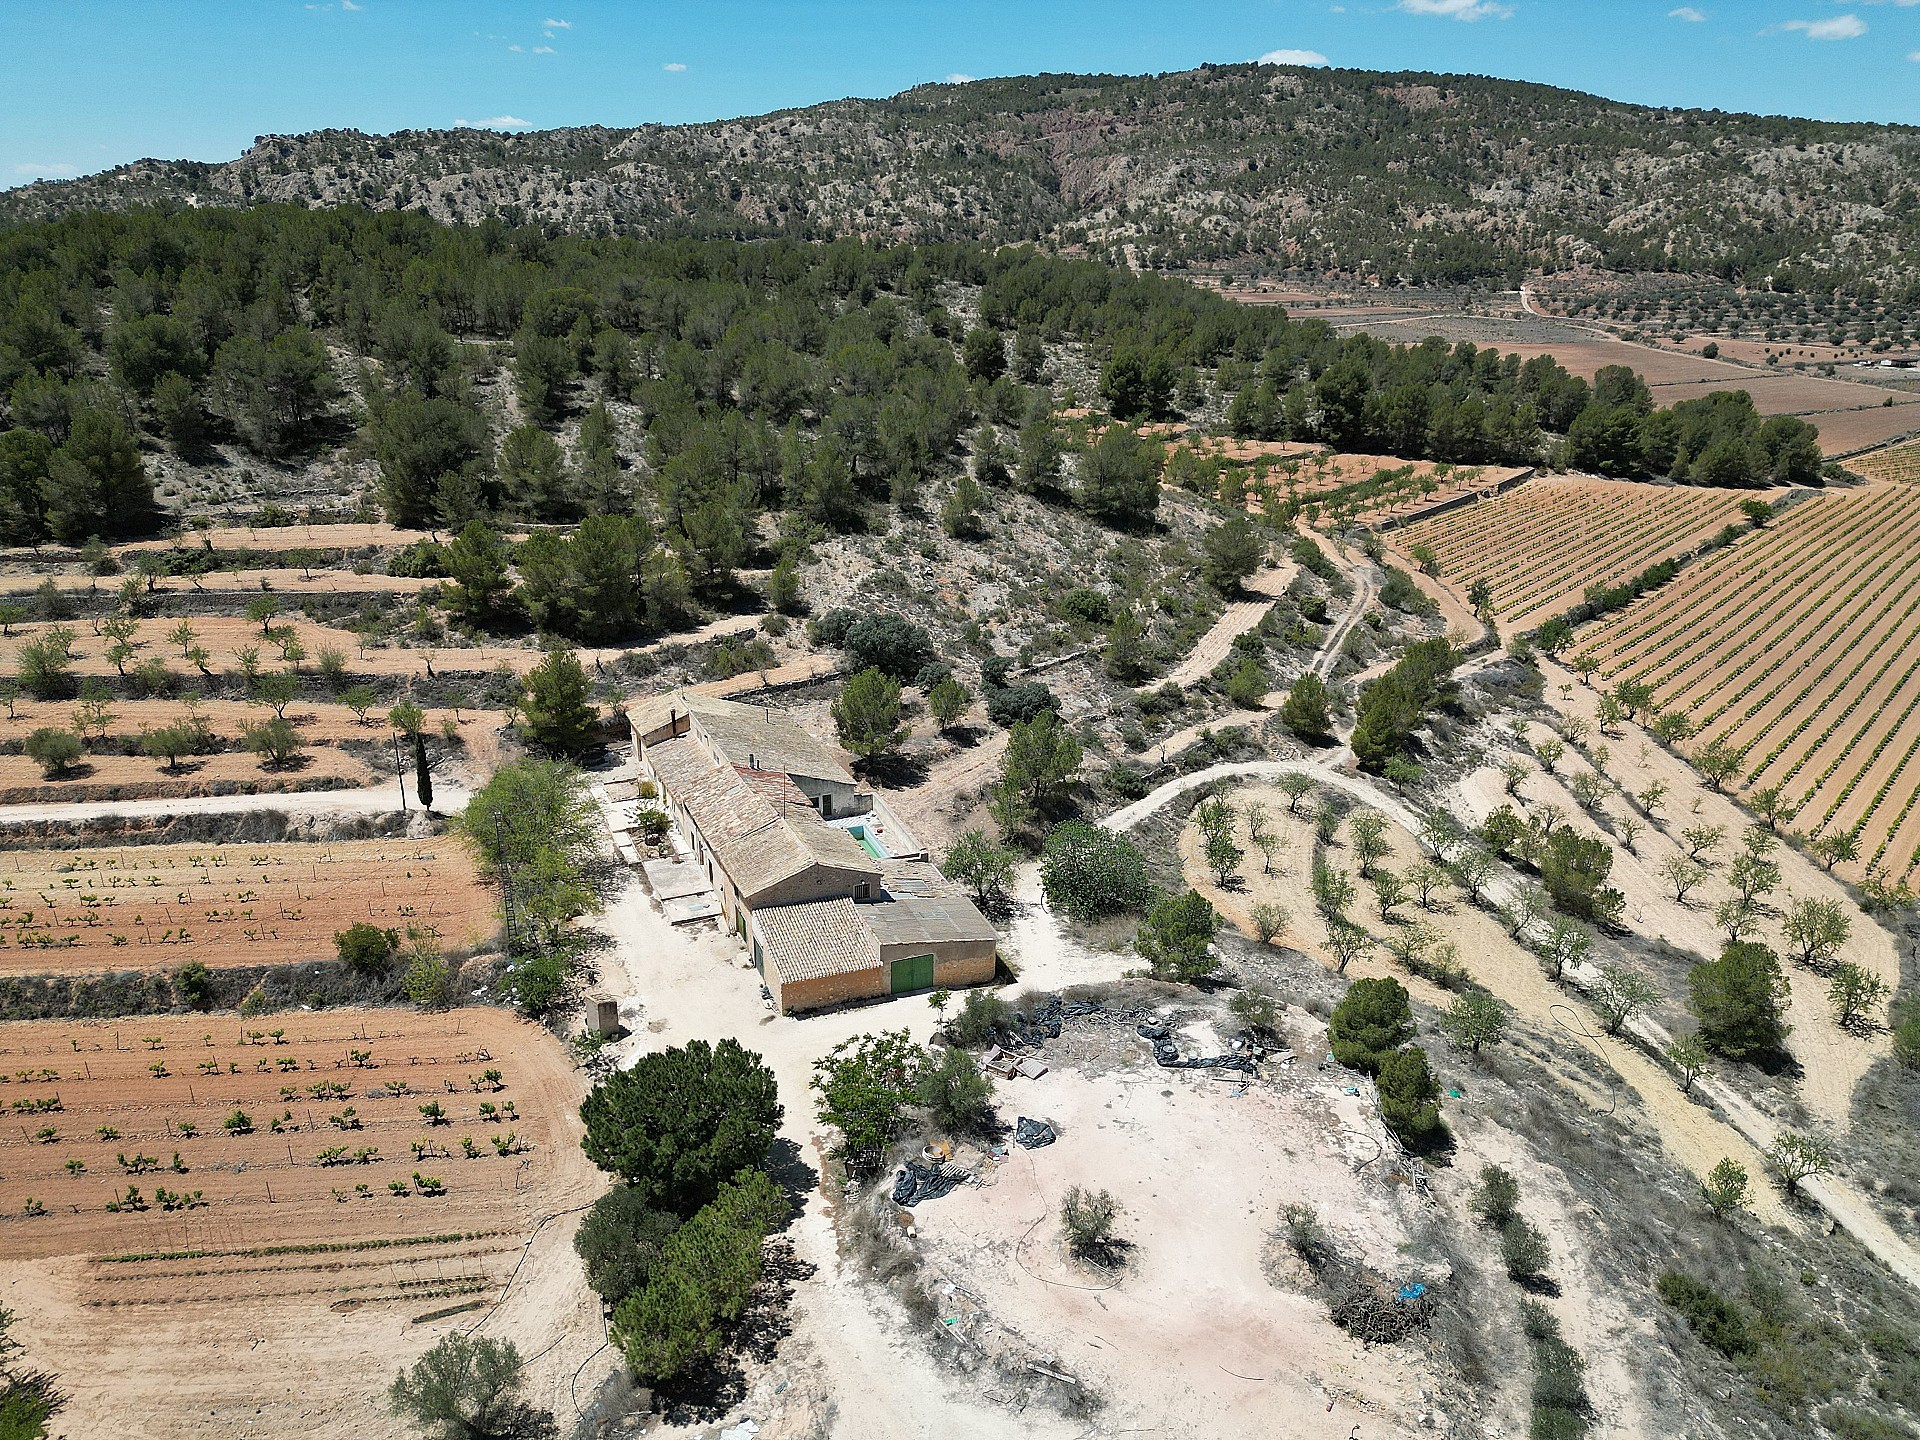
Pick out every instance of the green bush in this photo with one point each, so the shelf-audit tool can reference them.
(366, 949)
(982, 1013)
(1720, 1323)
(1089, 873)
(1410, 1098)
(1373, 1019)
(620, 1242)
(957, 1096)
(1498, 1198)
(1523, 1249)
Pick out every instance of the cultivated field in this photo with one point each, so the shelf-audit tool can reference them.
(1800, 648)
(281, 1297)
(1542, 544)
(290, 1155)
(1901, 463)
(149, 907)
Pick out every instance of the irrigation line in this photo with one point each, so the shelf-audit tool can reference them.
(525, 1251)
(1060, 1284)
(1613, 1081)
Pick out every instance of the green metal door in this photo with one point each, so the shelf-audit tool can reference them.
(915, 972)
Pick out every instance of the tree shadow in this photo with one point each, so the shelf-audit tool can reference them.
(789, 1168)
(896, 771)
(707, 1391)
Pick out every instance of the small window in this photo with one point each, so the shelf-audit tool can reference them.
(860, 891)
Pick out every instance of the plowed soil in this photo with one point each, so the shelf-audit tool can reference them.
(152, 907)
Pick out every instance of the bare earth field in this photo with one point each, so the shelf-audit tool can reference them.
(257, 1306)
(156, 906)
(1542, 543)
(1231, 1354)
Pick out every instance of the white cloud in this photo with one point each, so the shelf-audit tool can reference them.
(542, 50)
(674, 67)
(1292, 57)
(960, 77)
(42, 169)
(518, 49)
(558, 24)
(1688, 14)
(497, 122)
(349, 5)
(1457, 9)
(1915, 57)
(1841, 27)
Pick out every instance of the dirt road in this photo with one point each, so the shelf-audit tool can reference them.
(374, 800)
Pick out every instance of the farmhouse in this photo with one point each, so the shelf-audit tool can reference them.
(830, 892)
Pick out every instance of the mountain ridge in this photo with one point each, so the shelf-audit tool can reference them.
(1395, 176)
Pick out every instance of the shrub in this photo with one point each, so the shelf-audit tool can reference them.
(1087, 1219)
(1523, 1249)
(1089, 873)
(366, 949)
(468, 1388)
(54, 750)
(894, 646)
(981, 1014)
(620, 1242)
(193, 983)
(1497, 1200)
(1739, 1000)
(1410, 1097)
(539, 983)
(1176, 938)
(1017, 704)
(955, 1093)
(1719, 1322)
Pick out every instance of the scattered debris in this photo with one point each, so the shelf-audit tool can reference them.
(917, 1181)
(1032, 1134)
(1167, 1055)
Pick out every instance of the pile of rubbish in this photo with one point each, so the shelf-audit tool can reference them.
(1044, 1023)
(1167, 1055)
(919, 1180)
(1032, 1134)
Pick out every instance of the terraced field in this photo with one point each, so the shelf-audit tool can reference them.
(1901, 462)
(1800, 648)
(1543, 543)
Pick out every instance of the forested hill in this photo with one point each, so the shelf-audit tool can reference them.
(1427, 178)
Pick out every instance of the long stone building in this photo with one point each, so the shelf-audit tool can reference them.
(830, 893)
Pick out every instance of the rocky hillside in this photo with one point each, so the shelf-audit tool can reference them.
(1423, 178)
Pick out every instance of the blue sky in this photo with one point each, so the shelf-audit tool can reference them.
(94, 83)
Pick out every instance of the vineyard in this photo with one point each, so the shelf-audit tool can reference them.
(1901, 463)
(151, 907)
(1799, 650)
(1541, 545)
(356, 1156)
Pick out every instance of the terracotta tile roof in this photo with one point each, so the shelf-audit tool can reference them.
(818, 939)
(756, 736)
(759, 840)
